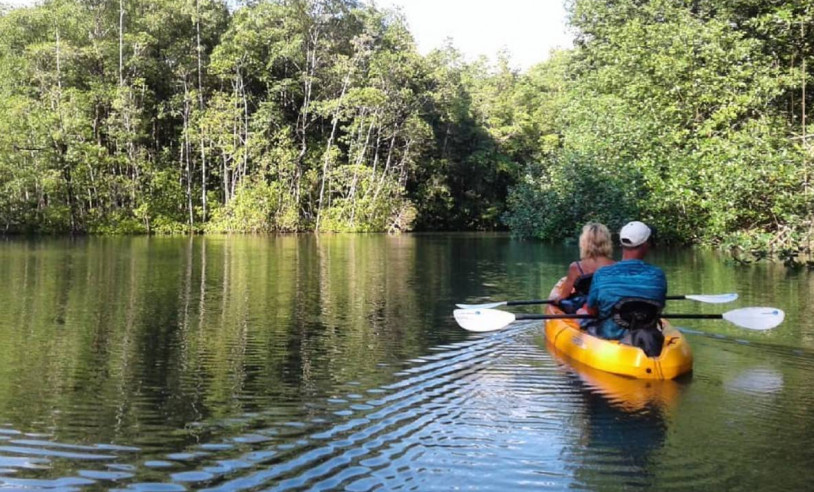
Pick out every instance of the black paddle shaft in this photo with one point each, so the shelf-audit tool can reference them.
(588, 316)
(549, 301)
(553, 316)
(525, 303)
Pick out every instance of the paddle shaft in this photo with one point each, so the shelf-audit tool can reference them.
(549, 301)
(485, 319)
(526, 303)
(520, 317)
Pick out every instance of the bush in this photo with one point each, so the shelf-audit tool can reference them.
(554, 202)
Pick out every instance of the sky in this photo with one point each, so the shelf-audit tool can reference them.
(527, 29)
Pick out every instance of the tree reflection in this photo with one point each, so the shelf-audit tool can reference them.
(624, 425)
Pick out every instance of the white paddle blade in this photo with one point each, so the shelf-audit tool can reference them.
(482, 319)
(755, 318)
(713, 298)
(481, 306)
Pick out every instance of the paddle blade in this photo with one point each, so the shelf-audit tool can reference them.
(481, 306)
(482, 319)
(712, 298)
(755, 318)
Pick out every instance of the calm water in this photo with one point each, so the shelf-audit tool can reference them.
(329, 363)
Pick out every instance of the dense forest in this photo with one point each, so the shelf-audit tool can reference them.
(690, 114)
(164, 116)
(280, 115)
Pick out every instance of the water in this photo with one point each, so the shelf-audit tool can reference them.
(297, 362)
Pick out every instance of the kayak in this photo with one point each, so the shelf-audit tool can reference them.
(566, 337)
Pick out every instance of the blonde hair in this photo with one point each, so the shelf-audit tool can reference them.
(595, 241)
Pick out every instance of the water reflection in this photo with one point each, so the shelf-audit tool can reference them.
(628, 394)
(619, 445)
(624, 423)
(332, 362)
(623, 430)
(757, 381)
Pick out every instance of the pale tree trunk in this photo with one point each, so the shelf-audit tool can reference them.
(121, 43)
(359, 158)
(304, 115)
(806, 178)
(386, 166)
(60, 146)
(403, 162)
(199, 50)
(245, 127)
(186, 149)
(376, 154)
(327, 158)
(803, 94)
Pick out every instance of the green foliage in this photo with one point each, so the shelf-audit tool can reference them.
(274, 116)
(279, 116)
(256, 207)
(365, 202)
(684, 114)
(554, 203)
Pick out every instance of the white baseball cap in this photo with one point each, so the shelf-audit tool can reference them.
(634, 234)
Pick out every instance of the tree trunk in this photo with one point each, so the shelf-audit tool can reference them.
(186, 149)
(199, 49)
(302, 118)
(121, 43)
(325, 161)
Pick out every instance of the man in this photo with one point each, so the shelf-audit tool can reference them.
(629, 278)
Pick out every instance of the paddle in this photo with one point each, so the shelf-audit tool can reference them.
(706, 298)
(752, 318)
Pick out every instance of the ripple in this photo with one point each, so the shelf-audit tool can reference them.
(193, 476)
(187, 456)
(54, 453)
(31, 483)
(216, 446)
(156, 487)
(15, 462)
(498, 404)
(104, 475)
(251, 439)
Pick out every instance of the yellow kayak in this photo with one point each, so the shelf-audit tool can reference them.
(566, 337)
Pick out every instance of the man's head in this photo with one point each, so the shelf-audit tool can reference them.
(634, 238)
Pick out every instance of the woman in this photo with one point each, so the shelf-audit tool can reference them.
(595, 250)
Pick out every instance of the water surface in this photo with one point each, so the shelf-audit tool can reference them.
(332, 362)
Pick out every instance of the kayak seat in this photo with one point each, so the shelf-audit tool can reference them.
(641, 317)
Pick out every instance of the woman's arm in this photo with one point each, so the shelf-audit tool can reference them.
(567, 286)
